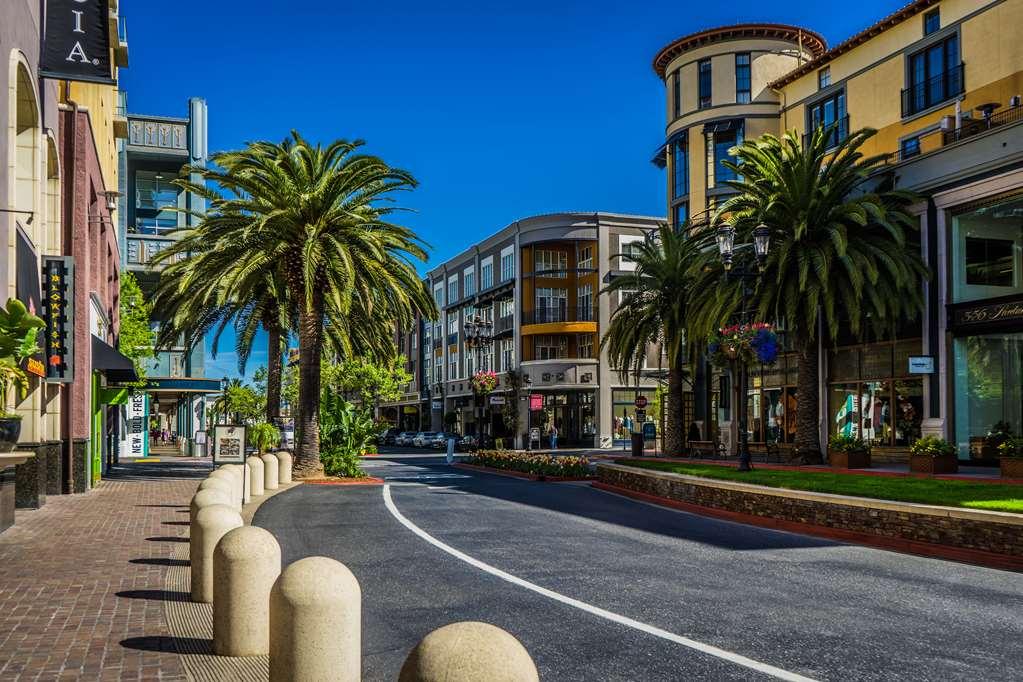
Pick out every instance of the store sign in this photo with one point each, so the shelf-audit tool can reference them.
(921, 364)
(1011, 311)
(136, 424)
(58, 314)
(34, 366)
(437, 405)
(228, 444)
(409, 409)
(77, 44)
(497, 400)
(535, 402)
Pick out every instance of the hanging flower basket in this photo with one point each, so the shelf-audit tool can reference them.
(751, 343)
(484, 382)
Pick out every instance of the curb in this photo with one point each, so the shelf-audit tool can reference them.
(934, 551)
(536, 478)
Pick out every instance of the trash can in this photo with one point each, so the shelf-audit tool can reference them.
(637, 445)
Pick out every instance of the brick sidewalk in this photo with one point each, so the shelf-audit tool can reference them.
(82, 579)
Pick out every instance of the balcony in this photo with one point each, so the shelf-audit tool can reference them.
(948, 135)
(504, 324)
(438, 343)
(121, 116)
(453, 339)
(159, 135)
(142, 250)
(561, 313)
(942, 88)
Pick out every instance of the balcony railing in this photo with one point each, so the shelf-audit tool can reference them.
(839, 132)
(438, 343)
(545, 314)
(453, 339)
(969, 127)
(142, 251)
(940, 88)
(504, 324)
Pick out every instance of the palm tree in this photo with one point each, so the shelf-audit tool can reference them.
(653, 311)
(316, 217)
(838, 257)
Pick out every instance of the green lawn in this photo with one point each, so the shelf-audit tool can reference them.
(992, 496)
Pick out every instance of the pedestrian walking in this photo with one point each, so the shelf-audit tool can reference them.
(554, 436)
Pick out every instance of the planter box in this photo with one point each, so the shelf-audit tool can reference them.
(925, 464)
(1011, 467)
(849, 460)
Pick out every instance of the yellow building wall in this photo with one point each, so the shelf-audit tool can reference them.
(101, 102)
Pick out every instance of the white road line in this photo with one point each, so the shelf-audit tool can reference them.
(737, 659)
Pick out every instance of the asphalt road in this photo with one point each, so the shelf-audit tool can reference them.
(599, 587)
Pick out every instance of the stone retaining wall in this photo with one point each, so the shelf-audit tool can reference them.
(968, 529)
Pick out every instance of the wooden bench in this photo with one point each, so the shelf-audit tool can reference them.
(707, 449)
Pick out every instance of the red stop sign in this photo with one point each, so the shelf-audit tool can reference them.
(641, 402)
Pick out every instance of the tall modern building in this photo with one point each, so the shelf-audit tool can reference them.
(156, 152)
(941, 82)
(537, 281)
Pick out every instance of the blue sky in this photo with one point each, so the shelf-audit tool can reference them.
(500, 112)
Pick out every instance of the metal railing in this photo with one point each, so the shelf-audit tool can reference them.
(504, 324)
(545, 314)
(840, 132)
(934, 91)
(969, 127)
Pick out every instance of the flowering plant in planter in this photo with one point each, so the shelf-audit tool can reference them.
(848, 444)
(751, 343)
(484, 381)
(1011, 448)
(933, 446)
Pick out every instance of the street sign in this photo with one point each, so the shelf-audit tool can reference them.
(228, 444)
(640, 416)
(649, 431)
(641, 402)
(497, 400)
(921, 364)
(535, 402)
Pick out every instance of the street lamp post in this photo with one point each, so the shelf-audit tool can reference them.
(746, 272)
(479, 336)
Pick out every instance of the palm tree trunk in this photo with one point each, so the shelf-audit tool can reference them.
(273, 372)
(808, 446)
(675, 427)
(307, 424)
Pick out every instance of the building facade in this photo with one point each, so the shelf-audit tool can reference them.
(940, 80)
(157, 150)
(537, 282)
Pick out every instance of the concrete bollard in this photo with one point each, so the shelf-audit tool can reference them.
(469, 651)
(284, 472)
(246, 483)
(256, 467)
(271, 470)
(315, 620)
(205, 498)
(239, 471)
(211, 523)
(246, 562)
(226, 474)
(219, 483)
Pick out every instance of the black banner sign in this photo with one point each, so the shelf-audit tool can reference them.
(58, 306)
(77, 45)
(987, 314)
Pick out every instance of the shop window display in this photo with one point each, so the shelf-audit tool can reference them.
(988, 392)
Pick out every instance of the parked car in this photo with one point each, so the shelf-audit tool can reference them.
(440, 441)
(388, 437)
(467, 443)
(423, 438)
(405, 438)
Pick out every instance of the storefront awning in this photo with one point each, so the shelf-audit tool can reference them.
(107, 359)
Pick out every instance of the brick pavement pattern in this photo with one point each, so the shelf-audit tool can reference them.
(82, 580)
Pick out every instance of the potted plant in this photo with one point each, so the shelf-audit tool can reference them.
(18, 332)
(1010, 458)
(848, 452)
(264, 436)
(1001, 432)
(933, 455)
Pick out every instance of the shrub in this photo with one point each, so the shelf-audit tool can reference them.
(851, 444)
(341, 462)
(1011, 448)
(933, 446)
(537, 465)
(264, 436)
(371, 449)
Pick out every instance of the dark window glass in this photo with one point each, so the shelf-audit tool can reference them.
(677, 93)
(742, 78)
(680, 167)
(932, 22)
(989, 262)
(705, 83)
(828, 112)
(824, 77)
(910, 147)
(681, 214)
(722, 143)
(935, 75)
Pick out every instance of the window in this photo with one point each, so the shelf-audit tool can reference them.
(680, 167)
(828, 112)
(824, 78)
(909, 148)
(156, 201)
(508, 264)
(549, 347)
(585, 258)
(554, 263)
(676, 92)
(487, 273)
(989, 262)
(935, 75)
(452, 288)
(551, 305)
(680, 215)
(627, 245)
(507, 354)
(415, 339)
(585, 342)
(506, 307)
(438, 374)
(584, 301)
(705, 83)
(720, 138)
(453, 366)
(743, 85)
(469, 281)
(932, 21)
(987, 251)
(453, 323)
(470, 365)
(438, 294)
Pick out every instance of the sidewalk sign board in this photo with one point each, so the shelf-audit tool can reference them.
(228, 444)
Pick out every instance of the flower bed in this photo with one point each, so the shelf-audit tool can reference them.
(536, 465)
